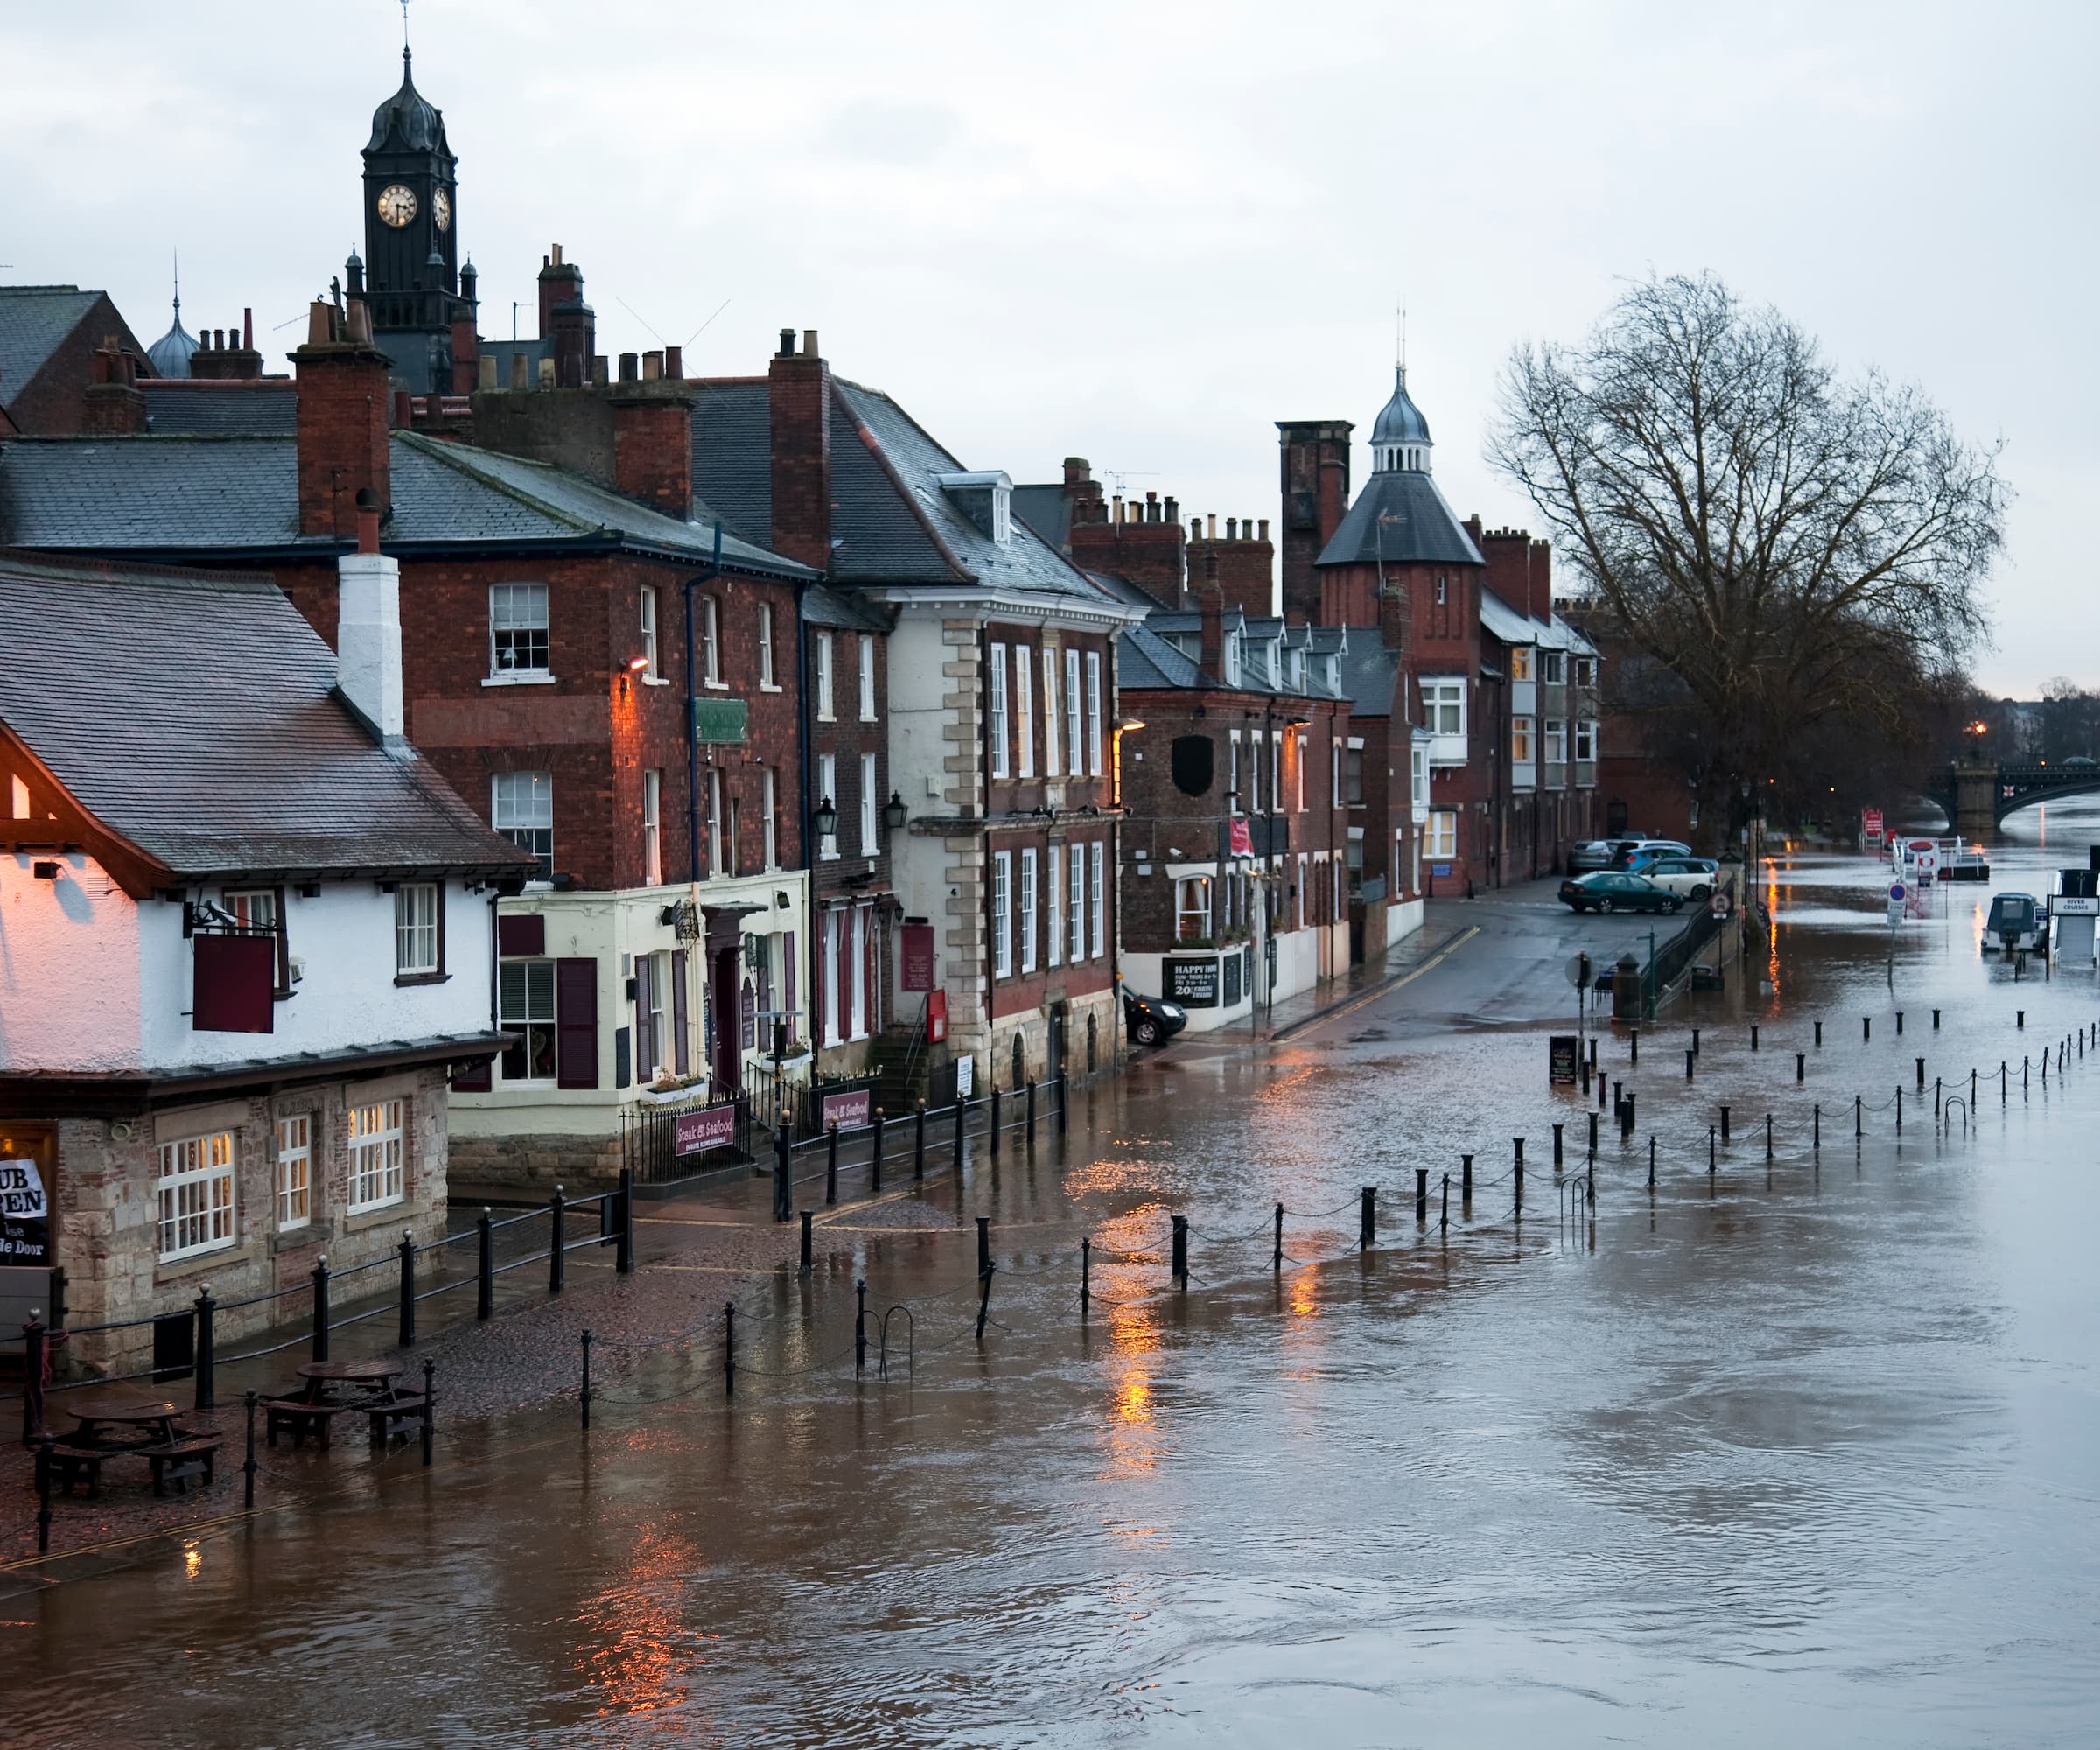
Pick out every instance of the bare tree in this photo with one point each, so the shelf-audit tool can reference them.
(1788, 545)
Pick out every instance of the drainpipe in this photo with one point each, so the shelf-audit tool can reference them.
(692, 698)
(806, 974)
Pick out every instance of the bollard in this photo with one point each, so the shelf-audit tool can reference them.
(1589, 1192)
(1032, 1111)
(248, 1465)
(1519, 1179)
(405, 1338)
(2019, 1017)
(831, 1162)
(1421, 1196)
(1724, 1124)
(983, 1302)
(1618, 1096)
(623, 1249)
(1800, 1065)
(1936, 1092)
(994, 1118)
(1593, 1136)
(1444, 1219)
(1935, 1020)
(1591, 1059)
(1520, 1154)
(875, 1160)
(1866, 1027)
(1651, 1163)
(1064, 1101)
(1627, 1117)
(1633, 1039)
(860, 1326)
(1767, 1136)
(1859, 1116)
(1819, 1036)
(729, 1348)
(2023, 1077)
(33, 1377)
(918, 1145)
(1466, 1187)
(1179, 1265)
(1276, 1263)
(1585, 1079)
(984, 1243)
(1558, 1142)
(1688, 1056)
(586, 1390)
(429, 1410)
(45, 1443)
(1753, 1036)
(1086, 1273)
(1816, 1118)
(808, 1215)
(1603, 1091)
(2001, 1081)
(1899, 1022)
(1972, 1090)
(783, 1176)
(1694, 1041)
(1712, 1159)
(204, 1354)
(320, 1308)
(557, 1256)
(485, 1289)
(1367, 1215)
(1899, 1109)
(1920, 1075)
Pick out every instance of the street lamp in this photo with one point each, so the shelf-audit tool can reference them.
(894, 813)
(825, 819)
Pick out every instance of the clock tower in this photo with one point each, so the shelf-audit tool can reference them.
(410, 273)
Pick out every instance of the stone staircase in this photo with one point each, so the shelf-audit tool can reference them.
(904, 1065)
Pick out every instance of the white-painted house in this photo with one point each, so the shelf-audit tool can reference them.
(246, 935)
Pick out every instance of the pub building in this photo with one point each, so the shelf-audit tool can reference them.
(249, 938)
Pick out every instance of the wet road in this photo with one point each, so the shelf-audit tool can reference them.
(1802, 1450)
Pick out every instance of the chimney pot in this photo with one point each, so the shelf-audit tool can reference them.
(248, 330)
(487, 365)
(321, 324)
(600, 376)
(630, 366)
(809, 349)
(1232, 528)
(520, 369)
(787, 343)
(404, 416)
(1214, 525)
(1265, 534)
(1173, 512)
(360, 322)
(652, 366)
(546, 372)
(557, 254)
(673, 362)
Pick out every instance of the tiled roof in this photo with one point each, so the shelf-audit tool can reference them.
(34, 321)
(193, 406)
(732, 454)
(1400, 518)
(1045, 509)
(195, 715)
(842, 609)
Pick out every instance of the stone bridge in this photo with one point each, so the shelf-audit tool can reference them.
(1977, 797)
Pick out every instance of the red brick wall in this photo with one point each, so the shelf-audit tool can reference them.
(1315, 469)
(54, 402)
(343, 419)
(798, 399)
(847, 737)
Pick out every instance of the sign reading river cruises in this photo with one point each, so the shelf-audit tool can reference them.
(25, 1213)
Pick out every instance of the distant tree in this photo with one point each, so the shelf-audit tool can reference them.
(1802, 554)
(2070, 721)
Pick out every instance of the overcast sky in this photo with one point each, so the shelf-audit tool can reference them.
(1142, 232)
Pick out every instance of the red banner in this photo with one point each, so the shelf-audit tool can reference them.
(712, 1127)
(1243, 837)
(918, 943)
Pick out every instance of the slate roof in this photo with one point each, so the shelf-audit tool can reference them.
(841, 610)
(1504, 622)
(1047, 510)
(221, 494)
(1402, 517)
(195, 715)
(1150, 655)
(34, 321)
(184, 407)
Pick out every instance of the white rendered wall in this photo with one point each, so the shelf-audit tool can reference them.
(69, 967)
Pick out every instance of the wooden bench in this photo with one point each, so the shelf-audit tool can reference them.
(69, 1465)
(388, 1418)
(179, 1460)
(300, 1418)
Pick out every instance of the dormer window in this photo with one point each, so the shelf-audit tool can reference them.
(1232, 659)
(986, 498)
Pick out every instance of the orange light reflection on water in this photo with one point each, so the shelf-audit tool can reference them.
(1131, 1430)
(639, 1646)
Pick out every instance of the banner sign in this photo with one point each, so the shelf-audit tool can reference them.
(25, 1213)
(1243, 837)
(712, 1127)
(846, 1110)
(918, 946)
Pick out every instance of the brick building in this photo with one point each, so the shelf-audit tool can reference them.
(49, 338)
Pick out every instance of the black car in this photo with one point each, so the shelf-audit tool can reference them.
(1610, 890)
(1151, 1021)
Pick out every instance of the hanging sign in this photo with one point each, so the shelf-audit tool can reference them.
(1243, 837)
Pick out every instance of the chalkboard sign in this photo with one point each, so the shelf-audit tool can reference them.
(1192, 983)
(1564, 1057)
(1233, 964)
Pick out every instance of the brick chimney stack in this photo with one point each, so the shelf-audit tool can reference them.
(567, 324)
(1210, 599)
(799, 400)
(653, 445)
(343, 402)
(115, 409)
(1245, 564)
(1315, 497)
(227, 354)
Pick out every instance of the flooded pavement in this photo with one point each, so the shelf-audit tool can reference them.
(1800, 1449)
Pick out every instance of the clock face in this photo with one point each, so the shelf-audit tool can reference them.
(441, 209)
(396, 205)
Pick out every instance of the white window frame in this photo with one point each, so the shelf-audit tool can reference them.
(1232, 775)
(1024, 711)
(710, 641)
(1440, 695)
(1304, 748)
(1254, 773)
(651, 827)
(377, 1132)
(834, 932)
(415, 937)
(1585, 740)
(1275, 768)
(1418, 778)
(1093, 713)
(294, 1172)
(769, 797)
(823, 677)
(1556, 741)
(1079, 905)
(996, 725)
(1520, 661)
(1552, 667)
(647, 606)
(827, 791)
(196, 1196)
(1443, 834)
(768, 681)
(1053, 893)
(1002, 913)
(856, 935)
(1074, 729)
(1192, 905)
(1101, 911)
(522, 802)
(520, 609)
(868, 805)
(1052, 748)
(1334, 751)
(1028, 909)
(867, 677)
(1523, 740)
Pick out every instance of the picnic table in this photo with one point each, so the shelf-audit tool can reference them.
(114, 1423)
(327, 1389)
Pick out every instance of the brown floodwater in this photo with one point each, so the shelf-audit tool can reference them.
(1800, 1451)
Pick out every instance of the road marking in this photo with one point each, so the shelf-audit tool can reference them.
(1436, 959)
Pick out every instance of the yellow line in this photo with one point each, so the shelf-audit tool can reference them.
(1441, 954)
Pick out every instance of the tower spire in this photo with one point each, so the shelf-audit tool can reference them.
(1401, 360)
(175, 260)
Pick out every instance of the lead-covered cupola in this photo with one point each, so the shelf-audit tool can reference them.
(1400, 440)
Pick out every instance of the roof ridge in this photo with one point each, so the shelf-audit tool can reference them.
(455, 456)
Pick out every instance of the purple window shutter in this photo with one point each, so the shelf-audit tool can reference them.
(646, 1045)
(787, 972)
(576, 1023)
(678, 1027)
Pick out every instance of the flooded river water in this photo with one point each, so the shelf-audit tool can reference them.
(1802, 1450)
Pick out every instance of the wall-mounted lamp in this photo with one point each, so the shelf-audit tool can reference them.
(894, 813)
(636, 664)
(1131, 723)
(825, 819)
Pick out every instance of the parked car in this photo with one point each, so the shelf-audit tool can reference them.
(1689, 877)
(1615, 889)
(1597, 853)
(1626, 853)
(1151, 1021)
